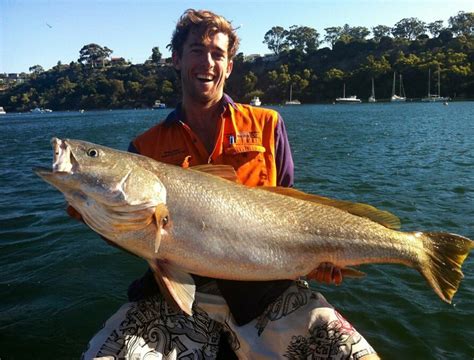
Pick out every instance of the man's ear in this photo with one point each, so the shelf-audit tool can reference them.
(176, 60)
(230, 66)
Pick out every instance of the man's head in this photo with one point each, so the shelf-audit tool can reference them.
(206, 24)
(203, 45)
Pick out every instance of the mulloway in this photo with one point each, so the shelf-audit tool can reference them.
(190, 221)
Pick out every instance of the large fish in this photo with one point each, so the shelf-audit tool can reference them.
(186, 221)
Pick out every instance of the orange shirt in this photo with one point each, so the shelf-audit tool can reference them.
(253, 140)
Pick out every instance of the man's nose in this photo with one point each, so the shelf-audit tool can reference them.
(207, 59)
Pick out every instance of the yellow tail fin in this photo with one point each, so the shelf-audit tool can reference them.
(442, 270)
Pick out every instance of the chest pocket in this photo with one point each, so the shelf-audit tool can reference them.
(249, 163)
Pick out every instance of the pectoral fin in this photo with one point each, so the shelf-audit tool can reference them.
(161, 218)
(177, 286)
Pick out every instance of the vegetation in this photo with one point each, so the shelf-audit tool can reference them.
(411, 47)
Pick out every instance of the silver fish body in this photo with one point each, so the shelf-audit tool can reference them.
(188, 221)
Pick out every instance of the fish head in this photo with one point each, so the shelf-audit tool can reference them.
(83, 171)
(117, 193)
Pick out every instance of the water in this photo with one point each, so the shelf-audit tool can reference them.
(59, 282)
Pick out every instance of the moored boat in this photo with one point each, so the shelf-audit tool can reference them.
(352, 99)
(255, 101)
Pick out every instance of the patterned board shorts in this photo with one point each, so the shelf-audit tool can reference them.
(300, 324)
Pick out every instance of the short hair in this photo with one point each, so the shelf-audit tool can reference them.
(207, 24)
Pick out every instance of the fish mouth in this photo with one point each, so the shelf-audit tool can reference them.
(64, 162)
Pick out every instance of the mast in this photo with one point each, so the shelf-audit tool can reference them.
(429, 82)
(344, 90)
(400, 86)
(373, 90)
(393, 84)
(439, 81)
(291, 91)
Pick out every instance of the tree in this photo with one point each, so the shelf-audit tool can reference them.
(276, 39)
(462, 23)
(435, 27)
(93, 54)
(332, 34)
(357, 32)
(303, 38)
(380, 31)
(155, 55)
(36, 69)
(408, 28)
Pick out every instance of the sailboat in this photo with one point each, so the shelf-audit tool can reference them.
(347, 100)
(372, 95)
(291, 101)
(434, 97)
(395, 97)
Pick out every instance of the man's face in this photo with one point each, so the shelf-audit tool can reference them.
(204, 67)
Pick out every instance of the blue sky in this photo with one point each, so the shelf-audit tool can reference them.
(44, 32)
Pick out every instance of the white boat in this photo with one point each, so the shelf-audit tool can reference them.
(37, 110)
(372, 95)
(158, 105)
(2, 111)
(291, 101)
(395, 97)
(434, 97)
(255, 101)
(352, 99)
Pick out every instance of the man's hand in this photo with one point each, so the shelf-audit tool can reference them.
(326, 273)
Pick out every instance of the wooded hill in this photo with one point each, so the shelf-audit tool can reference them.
(410, 48)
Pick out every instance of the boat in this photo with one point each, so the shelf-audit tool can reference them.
(395, 97)
(352, 99)
(158, 105)
(255, 101)
(434, 97)
(291, 101)
(37, 110)
(372, 95)
(2, 111)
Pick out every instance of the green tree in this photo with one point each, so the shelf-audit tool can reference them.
(303, 38)
(332, 34)
(408, 28)
(380, 31)
(435, 27)
(36, 69)
(276, 39)
(155, 55)
(93, 54)
(462, 23)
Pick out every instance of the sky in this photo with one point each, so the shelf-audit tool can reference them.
(43, 32)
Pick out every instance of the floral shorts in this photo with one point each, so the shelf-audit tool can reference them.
(300, 324)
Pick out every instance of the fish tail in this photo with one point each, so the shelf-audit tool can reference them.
(445, 256)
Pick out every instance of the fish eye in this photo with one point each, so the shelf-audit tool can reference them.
(92, 152)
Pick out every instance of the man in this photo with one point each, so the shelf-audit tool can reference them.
(273, 319)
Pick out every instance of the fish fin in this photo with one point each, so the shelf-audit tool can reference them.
(352, 273)
(382, 217)
(224, 171)
(446, 254)
(185, 163)
(177, 286)
(161, 218)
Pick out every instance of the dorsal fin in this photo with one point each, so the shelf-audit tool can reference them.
(363, 210)
(224, 171)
